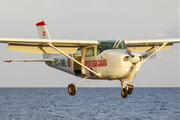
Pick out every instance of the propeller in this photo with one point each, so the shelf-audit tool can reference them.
(145, 55)
(134, 58)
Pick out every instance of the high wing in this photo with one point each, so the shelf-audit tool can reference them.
(71, 46)
(41, 45)
(149, 45)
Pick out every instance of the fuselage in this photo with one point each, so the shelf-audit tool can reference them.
(109, 61)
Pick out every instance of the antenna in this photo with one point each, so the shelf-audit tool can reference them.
(85, 35)
(108, 35)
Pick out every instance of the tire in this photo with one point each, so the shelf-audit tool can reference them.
(124, 93)
(130, 90)
(72, 89)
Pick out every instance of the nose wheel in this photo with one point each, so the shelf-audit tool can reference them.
(127, 88)
(124, 93)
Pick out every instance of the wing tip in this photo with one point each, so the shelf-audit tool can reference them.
(8, 61)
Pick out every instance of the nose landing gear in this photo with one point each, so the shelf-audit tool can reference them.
(130, 89)
(126, 88)
(124, 93)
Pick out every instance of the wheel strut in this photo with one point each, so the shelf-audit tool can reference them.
(124, 92)
(81, 80)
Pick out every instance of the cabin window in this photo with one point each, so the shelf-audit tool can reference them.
(89, 52)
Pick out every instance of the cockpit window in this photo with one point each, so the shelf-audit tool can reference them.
(105, 45)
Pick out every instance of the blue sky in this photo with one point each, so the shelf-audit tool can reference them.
(68, 19)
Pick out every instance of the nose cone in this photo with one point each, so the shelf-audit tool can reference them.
(134, 59)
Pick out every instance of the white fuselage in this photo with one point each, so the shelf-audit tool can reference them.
(110, 64)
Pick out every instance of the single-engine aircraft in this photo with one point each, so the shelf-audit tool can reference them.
(91, 59)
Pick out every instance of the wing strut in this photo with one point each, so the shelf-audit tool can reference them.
(155, 51)
(73, 59)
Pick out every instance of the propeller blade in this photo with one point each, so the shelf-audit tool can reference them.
(134, 58)
(129, 52)
(132, 73)
(145, 55)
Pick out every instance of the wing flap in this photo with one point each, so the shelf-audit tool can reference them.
(40, 49)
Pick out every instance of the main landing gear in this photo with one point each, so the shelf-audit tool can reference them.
(72, 88)
(126, 88)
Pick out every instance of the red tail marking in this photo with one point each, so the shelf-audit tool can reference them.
(40, 23)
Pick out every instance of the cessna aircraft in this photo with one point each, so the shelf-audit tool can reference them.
(91, 59)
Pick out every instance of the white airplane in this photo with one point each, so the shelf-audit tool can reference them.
(91, 59)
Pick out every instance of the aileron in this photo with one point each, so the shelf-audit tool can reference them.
(149, 45)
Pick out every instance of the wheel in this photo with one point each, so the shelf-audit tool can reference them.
(72, 89)
(130, 89)
(124, 93)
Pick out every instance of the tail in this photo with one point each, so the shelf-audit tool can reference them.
(43, 33)
(42, 30)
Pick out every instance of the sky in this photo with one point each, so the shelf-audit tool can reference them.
(71, 19)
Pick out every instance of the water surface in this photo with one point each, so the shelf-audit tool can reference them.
(89, 104)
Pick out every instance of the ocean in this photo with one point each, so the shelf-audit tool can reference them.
(89, 104)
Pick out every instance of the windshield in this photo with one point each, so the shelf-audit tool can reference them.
(105, 45)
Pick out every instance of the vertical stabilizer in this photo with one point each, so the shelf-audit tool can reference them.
(42, 30)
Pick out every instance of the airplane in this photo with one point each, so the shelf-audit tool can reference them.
(91, 59)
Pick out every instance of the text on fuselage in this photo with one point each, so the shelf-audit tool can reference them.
(96, 63)
(61, 62)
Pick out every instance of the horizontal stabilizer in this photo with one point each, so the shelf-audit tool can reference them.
(10, 61)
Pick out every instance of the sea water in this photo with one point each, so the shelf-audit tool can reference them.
(89, 104)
